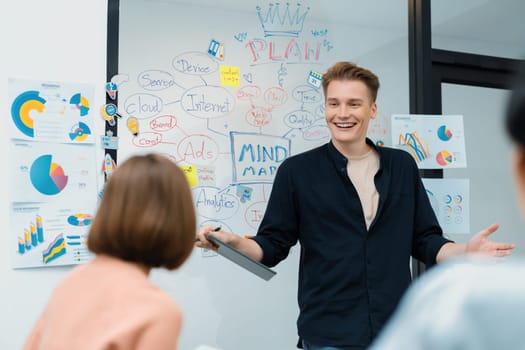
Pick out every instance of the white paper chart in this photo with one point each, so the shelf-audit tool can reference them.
(450, 200)
(434, 141)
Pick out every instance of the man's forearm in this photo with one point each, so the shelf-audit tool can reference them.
(247, 246)
(450, 250)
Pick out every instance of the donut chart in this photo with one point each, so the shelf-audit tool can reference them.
(80, 219)
(47, 177)
(21, 109)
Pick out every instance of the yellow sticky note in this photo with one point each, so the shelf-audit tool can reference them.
(191, 174)
(230, 76)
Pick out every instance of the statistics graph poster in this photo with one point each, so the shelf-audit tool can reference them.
(44, 234)
(51, 111)
(434, 141)
(43, 172)
(450, 199)
(53, 196)
(52, 171)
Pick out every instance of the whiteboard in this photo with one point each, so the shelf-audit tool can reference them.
(228, 93)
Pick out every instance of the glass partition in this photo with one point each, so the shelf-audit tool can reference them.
(485, 27)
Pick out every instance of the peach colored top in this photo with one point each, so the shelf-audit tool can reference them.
(107, 304)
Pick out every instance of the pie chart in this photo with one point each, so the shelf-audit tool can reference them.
(81, 103)
(79, 132)
(444, 133)
(47, 177)
(444, 158)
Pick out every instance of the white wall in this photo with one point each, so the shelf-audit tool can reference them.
(52, 40)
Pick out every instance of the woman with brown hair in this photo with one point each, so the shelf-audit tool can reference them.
(146, 219)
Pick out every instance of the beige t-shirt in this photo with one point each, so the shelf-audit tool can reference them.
(361, 171)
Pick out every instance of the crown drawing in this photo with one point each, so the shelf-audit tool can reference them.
(282, 20)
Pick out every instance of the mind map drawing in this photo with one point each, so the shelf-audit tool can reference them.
(231, 108)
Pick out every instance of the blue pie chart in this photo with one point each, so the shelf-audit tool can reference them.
(47, 177)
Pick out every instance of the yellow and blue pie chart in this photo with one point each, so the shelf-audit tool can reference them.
(79, 132)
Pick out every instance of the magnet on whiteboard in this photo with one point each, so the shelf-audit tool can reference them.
(216, 49)
(109, 112)
(109, 165)
(111, 90)
(315, 79)
(109, 142)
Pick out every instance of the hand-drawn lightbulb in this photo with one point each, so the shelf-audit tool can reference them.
(133, 125)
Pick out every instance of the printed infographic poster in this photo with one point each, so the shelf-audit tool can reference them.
(378, 130)
(434, 141)
(53, 201)
(44, 171)
(44, 234)
(52, 172)
(450, 200)
(51, 111)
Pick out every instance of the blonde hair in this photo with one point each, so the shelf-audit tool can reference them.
(350, 71)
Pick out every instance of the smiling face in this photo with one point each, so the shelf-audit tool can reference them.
(348, 110)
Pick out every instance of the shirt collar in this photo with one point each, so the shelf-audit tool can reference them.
(341, 161)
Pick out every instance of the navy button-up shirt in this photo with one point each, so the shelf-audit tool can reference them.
(350, 279)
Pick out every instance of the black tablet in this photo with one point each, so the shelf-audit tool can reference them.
(241, 259)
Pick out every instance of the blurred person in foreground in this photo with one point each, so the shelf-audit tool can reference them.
(469, 304)
(145, 220)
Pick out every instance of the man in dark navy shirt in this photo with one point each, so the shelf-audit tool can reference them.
(359, 213)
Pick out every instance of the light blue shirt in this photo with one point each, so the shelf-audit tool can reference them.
(467, 304)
